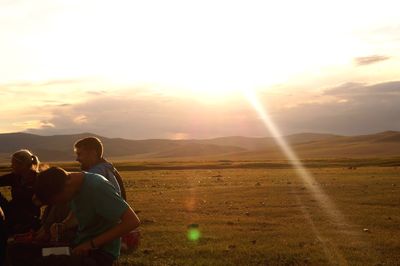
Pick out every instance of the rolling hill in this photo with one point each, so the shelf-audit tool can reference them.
(307, 145)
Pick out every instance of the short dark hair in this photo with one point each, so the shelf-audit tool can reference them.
(90, 143)
(49, 183)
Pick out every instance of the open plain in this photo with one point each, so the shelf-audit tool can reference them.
(227, 213)
(260, 216)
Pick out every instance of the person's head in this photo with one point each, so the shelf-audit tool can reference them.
(89, 152)
(23, 161)
(51, 186)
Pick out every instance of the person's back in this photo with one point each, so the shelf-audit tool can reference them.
(21, 188)
(95, 207)
(20, 212)
(18, 215)
(107, 170)
(103, 216)
(20, 207)
(89, 153)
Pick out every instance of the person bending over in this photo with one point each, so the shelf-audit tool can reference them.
(102, 215)
(89, 154)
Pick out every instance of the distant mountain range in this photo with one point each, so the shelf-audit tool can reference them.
(307, 145)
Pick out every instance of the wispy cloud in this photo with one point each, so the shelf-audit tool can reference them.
(368, 60)
(30, 84)
(353, 89)
(100, 92)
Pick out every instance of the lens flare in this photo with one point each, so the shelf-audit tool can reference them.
(309, 182)
(306, 177)
(193, 234)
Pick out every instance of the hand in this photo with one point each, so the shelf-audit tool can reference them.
(54, 235)
(53, 232)
(41, 236)
(82, 249)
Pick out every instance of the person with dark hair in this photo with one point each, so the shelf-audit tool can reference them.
(20, 212)
(102, 215)
(89, 153)
(19, 215)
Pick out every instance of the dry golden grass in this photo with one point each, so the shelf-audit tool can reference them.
(265, 217)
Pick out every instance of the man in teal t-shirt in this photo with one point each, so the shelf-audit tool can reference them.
(97, 207)
(103, 216)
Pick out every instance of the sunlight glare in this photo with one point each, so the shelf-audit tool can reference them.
(309, 181)
(306, 177)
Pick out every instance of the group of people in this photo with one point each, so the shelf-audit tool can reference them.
(89, 207)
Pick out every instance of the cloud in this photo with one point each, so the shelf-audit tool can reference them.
(35, 124)
(80, 119)
(352, 108)
(153, 116)
(102, 92)
(54, 82)
(383, 89)
(62, 82)
(368, 60)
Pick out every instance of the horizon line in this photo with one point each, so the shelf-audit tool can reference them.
(209, 138)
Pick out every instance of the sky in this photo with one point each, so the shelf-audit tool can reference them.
(179, 69)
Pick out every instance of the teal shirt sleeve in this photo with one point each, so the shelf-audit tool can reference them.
(108, 203)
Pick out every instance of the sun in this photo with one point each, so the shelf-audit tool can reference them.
(213, 92)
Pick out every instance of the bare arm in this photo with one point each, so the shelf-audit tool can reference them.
(129, 221)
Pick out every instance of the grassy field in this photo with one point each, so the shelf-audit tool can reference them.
(265, 216)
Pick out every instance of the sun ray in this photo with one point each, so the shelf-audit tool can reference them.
(306, 177)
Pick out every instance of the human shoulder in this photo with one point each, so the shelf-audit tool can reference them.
(93, 178)
(98, 169)
(8, 179)
(9, 175)
(105, 169)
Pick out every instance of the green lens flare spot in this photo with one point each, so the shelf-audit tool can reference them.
(193, 234)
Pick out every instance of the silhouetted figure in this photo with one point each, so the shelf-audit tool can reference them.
(20, 214)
